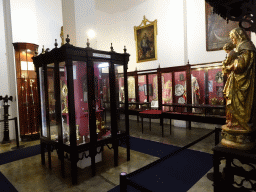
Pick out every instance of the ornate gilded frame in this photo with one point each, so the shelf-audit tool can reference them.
(145, 39)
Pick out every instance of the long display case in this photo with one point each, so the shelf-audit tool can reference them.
(198, 85)
(73, 84)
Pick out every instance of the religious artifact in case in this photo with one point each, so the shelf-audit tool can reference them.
(28, 101)
(73, 84)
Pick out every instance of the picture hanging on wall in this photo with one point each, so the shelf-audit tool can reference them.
(145, 38)
(217, 29)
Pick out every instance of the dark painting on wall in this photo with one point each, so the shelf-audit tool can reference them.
(217, 29)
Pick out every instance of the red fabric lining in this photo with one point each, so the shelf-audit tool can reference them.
(152, 112)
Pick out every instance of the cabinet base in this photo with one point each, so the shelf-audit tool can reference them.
(30, 137)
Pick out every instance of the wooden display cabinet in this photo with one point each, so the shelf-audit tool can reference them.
(73, 83)
(28, 101)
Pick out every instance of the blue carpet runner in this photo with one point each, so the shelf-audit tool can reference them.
(11, 156)
(177, 173)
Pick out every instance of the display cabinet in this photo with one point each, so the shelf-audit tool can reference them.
(28, 102)
(207, 84)
(175, 87)
(73, 85)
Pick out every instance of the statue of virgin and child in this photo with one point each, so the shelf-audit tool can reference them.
(239, 66)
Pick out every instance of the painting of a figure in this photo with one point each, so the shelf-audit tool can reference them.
(217, 29)
(145, 37)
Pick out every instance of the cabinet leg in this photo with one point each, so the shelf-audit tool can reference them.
(216, 178)
(150, 124)
(74, 168)
(142, 124)
(115, 153)
(49, 156)
(170, 126)
(42, 154)
(162, 130)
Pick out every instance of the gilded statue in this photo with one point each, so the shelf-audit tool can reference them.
(62, 35)
(239, 131)
(64, 94)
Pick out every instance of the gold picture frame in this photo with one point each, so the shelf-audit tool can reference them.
(146, 42)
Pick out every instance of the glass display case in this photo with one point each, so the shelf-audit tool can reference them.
(142, 88)
(167, 90)
(174, 87)
(207, 84)
(148, 89)
(193, 89)
(28, 101)
(74, 83)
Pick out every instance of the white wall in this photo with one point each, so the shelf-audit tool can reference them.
(197, 35)
(49, 22)
(3, 67)
(32, 21)
(35, 21)
(4, 88)
(119, 29)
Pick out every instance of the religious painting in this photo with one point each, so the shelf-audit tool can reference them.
(217, 29)
(145, 38)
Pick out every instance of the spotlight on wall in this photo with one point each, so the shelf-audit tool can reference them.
(91, 34)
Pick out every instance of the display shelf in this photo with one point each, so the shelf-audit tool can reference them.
(74, 83)
(28, 101)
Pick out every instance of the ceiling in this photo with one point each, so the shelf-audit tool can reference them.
(114, 6)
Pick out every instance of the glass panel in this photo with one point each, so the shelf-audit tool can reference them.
(142, 86)
(64, 102)
(131, 92)
(27, 92)
(166, 90)
(197, 88)
(104, 71)
(119, 75)
(180, 87)
(102, 99)
(42, 96)
(215, 86)
(152, 87)
(81, 102)
(51, 100)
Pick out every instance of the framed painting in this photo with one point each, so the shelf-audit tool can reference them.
(217, 29)
(146, 42)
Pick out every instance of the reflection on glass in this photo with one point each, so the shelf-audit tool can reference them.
(166, 90)
(51, 102)
(42, 96)
(64, 103)
(119, 75)
(142, 88)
